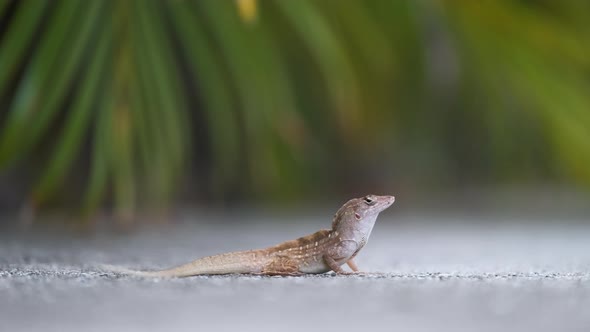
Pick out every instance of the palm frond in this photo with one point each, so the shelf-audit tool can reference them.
(280, 99)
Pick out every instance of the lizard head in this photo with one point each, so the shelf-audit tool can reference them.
(363, 211)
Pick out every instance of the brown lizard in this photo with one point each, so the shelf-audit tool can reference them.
(320, 252)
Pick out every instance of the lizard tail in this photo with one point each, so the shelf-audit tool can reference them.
(124, 270)
(251, 262)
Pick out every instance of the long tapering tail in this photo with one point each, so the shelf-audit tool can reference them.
(251, 261)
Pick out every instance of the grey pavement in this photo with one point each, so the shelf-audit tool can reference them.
(428, 273)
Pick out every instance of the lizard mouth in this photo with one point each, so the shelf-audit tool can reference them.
(389, 202)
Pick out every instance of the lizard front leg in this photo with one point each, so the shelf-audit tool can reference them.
(333, 265)
(342, 251)
(352, 265)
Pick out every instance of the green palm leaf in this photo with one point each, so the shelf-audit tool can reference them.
(280, 99)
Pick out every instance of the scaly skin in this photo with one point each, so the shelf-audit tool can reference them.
(320, 252)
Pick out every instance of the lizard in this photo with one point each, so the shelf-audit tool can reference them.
(320, 252)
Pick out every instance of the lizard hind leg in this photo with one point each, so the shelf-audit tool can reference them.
(281, 265)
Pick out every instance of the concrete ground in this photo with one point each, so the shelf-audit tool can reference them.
(428, 274)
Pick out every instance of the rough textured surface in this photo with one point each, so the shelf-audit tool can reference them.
(434, 275)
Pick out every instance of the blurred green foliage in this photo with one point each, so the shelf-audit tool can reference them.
(282, 98)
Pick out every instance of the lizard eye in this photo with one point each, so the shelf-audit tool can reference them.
(369, 201)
